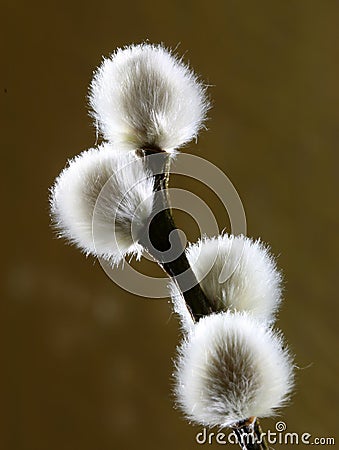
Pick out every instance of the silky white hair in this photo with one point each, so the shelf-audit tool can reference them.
(230, 368)
(235, 273)
(98, 197)
(144, 96)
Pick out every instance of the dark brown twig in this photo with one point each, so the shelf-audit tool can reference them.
(250, 435)
(160, 237)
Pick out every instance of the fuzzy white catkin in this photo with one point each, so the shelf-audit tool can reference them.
(254, 284)
(97, 197)
(231, 368)
(144, 96)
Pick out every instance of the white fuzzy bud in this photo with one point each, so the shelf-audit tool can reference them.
(98, 196)
(231, 368)
(143, 96)
(253, 283)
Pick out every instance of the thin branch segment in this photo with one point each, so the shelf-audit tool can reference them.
(159, 238)
(162, 237)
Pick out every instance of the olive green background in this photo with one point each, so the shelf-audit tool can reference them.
(86, 365)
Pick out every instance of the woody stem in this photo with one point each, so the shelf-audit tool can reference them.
(162, 241)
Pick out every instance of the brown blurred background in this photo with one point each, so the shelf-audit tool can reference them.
(87, 366)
